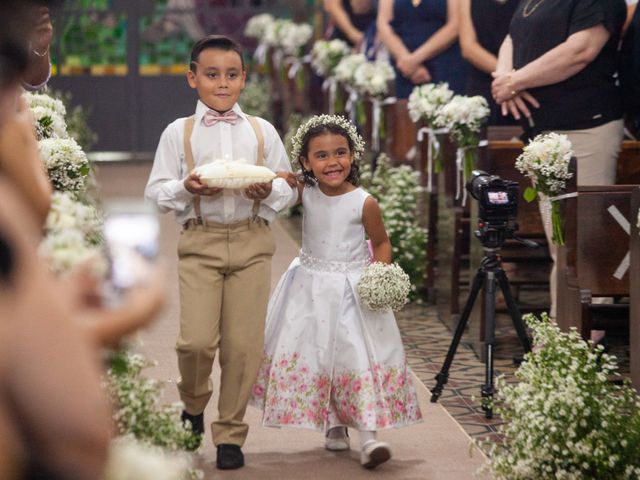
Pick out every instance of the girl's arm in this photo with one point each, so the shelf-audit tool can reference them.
(374, 227)
(472, 51)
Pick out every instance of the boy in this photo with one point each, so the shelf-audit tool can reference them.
(226, 245)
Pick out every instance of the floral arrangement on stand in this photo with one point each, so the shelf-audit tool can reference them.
(397, 189)
(372, 81)
(425, 103)
(565, 419)
(288, 41)
(325, 57)
(255, 98)
(545, 160)
(257, 27)
(463, 116)
(382, 287)
(344, 74)
(73, 233)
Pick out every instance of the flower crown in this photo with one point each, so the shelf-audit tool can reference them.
(319, 120)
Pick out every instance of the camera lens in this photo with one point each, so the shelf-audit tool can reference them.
(479, 179)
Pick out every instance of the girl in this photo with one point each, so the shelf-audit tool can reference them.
(331, 363)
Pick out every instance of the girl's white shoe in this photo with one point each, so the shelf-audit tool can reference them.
(374, 453)
(337, 439)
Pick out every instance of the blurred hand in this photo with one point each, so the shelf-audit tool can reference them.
(407, 65)
(290, 177)
(194, 185)
(258, 191)
(421, 75)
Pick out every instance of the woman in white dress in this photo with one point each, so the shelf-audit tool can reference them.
(330, 363)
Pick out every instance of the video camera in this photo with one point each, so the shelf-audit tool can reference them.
(498, 207)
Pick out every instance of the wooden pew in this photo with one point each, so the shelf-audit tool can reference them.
(592, 258)
(634, 287)
(628, 166)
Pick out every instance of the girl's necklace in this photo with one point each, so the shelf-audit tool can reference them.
(528, 10)
(415, 3)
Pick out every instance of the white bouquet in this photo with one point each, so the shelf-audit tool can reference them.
(221, 174)
(68, 213)
(272, 33)
(344, 71)
(545, 160)
(426, 101)
(66, 164)
(64, 249)
(294, 36)
(325, 55)
(257, 25)
(48, 114)
(564, 418)
(372, 78)
(130, 459)
(383, 286)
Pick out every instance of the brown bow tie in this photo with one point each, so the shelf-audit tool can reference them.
(211, 117)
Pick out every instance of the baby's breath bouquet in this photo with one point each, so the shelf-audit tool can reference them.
(463, 117)
(545, 160)
(382, 287)
(565, 419)
(48, 115)
(66, 164)
(345, 75)
(257, 25)
(255, 98)
(425, 102)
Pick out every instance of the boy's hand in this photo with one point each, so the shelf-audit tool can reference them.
(193, 185)
(290, 177)
(258, 191)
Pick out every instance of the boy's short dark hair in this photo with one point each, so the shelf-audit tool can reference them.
(219, 42)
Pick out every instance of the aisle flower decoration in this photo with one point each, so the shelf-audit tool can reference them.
(66, 164)
(397, 190)
(257, 27)
(345, 75)
(372, 79)
(48, 115)
(463, 116)
(545, 160)
(425, 103)
(256, 98)
(383, 287)
(326, 54)
(565, 419)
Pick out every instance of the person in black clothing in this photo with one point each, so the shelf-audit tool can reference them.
(484, 24)
(351, 19)
(630, 73)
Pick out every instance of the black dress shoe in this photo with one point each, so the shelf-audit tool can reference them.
(229, 457)
(196, 421)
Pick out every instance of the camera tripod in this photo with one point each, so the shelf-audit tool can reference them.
(488, 274)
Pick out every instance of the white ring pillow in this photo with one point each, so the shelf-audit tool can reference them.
(224, 174)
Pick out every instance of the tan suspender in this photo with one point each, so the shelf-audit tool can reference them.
(188, 158)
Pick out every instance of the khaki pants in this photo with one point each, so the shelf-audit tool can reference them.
(596, 150)
(225, 278)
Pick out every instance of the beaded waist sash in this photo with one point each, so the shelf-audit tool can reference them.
(333, 266)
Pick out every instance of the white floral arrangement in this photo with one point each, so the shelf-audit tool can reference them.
(565, 419)
(48, 115)
(345, 70)
(463, 117)
(426, 101)
(384, 286)
(256, 98)
(288, 36)
(372, 78)
(130, 459)
(318, 120)
(397, 191)
(66, 164)
(545, 160)
(325, 55)
(65, 249)
(257, 25)
(67, 213)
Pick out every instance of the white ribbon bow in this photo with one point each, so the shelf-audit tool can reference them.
(434, 147)
(376, 108)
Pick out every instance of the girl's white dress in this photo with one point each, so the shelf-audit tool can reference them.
(328, 360)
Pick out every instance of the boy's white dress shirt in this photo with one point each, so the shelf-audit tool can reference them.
(220, 141)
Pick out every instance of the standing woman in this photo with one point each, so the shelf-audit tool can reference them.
(351, 19)
(484, 24)
(561, 56)
(421, 37)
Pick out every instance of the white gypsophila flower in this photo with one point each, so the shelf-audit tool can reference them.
(67, 213)
(45, 101)
(48, 124)
(325, 55)
(257, 25)
(64, 249)
(272, 33)
(318, 120)
(66, 163)
(129, 459)
(344, 71)
(372, 78)
(382, 287)
(425, 101)
(545, 160)
(294, 36)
